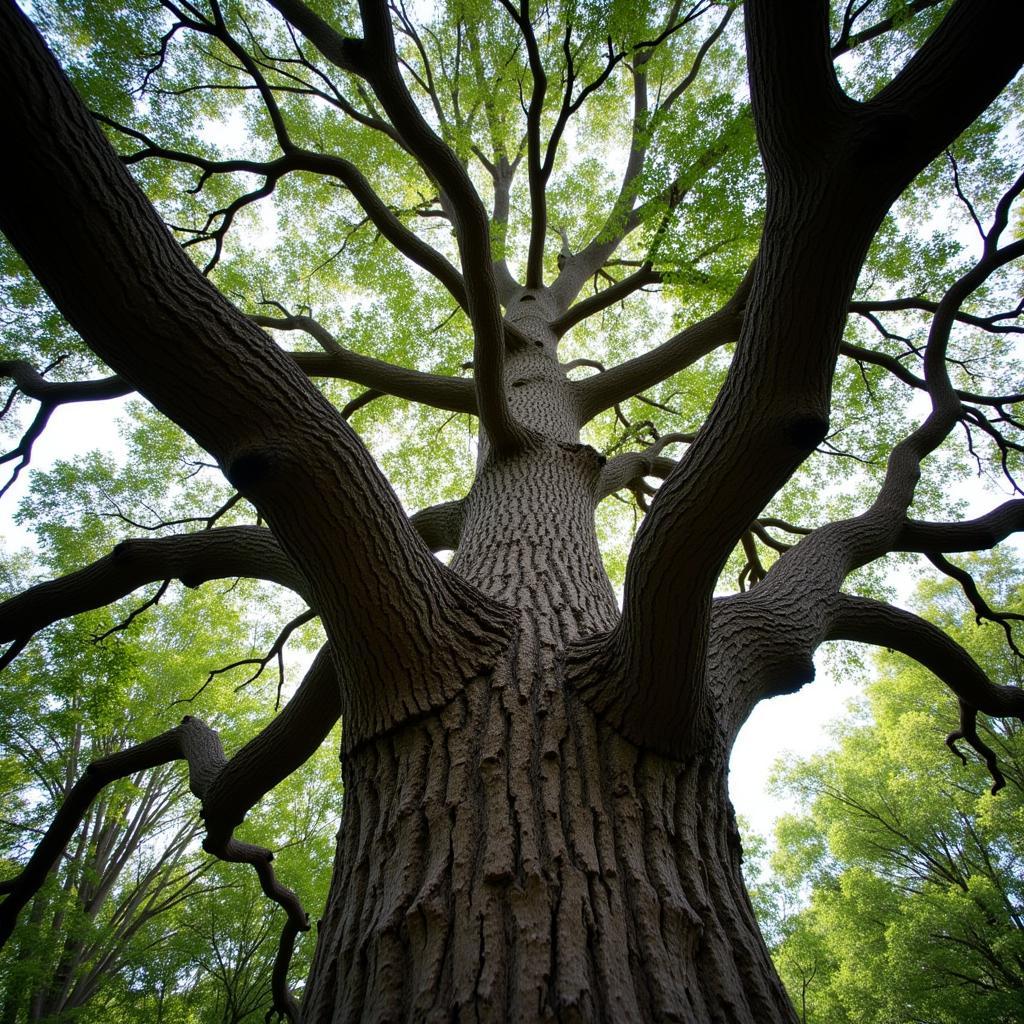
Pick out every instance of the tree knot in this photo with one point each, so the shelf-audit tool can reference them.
(250, 468)
(806, 431)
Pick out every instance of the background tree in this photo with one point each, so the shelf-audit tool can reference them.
(906, 874)
(535, 778)
(135, 922)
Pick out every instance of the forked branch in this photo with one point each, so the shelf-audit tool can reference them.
(624, 216)
(873, 622)
(374, 58)
(227, 790)
(981, 607)
(968, 731)
(627, 469)
(296, 159)
(819, 564)
(901, 372)
(848, 38)
(274, 653)
(773, 409)
(50, 395)
(191, 741)
(103, 252)
(829, 554)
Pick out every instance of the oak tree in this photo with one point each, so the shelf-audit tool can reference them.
(536, 820)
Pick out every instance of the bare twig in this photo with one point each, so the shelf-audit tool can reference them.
(134, 613)
(982, 610)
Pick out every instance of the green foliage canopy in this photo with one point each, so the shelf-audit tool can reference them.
(897, 896)
(137, 922)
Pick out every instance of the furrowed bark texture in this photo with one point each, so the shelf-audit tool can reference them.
(511, 857)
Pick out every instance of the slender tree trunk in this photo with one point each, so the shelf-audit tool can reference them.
(511, 857)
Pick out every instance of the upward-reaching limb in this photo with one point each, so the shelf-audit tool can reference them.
(373, 58)
(501, 167)
(117, 275)
(773, 409)
(799, 604)
(623, 216)
(534, 161)
(540, 158)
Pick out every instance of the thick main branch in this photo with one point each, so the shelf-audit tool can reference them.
(822, 211)
(193, 558)
(110, 265)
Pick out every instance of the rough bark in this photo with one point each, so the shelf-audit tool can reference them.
(512, 857)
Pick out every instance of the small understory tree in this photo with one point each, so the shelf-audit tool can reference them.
(536, 822)
(127, 864)
(135, 921)
(906, 872)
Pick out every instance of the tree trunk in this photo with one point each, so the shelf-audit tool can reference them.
(511, 858)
